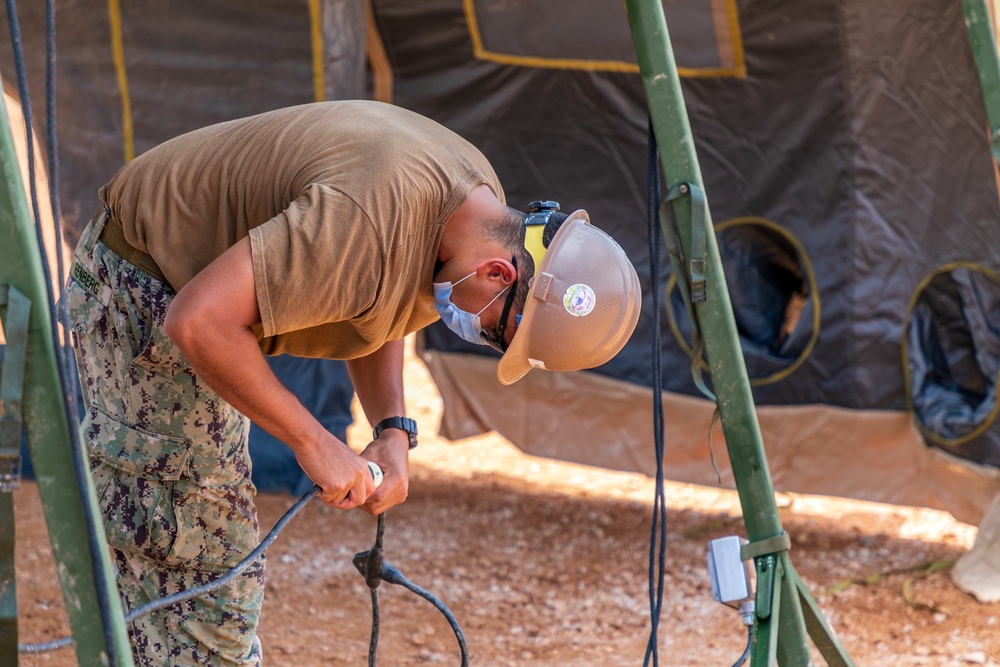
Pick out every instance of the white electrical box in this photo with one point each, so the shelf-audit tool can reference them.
(728, 572)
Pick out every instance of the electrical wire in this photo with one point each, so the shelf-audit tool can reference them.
(198, 591)
(658, 528)
(746, 651)
(52, 144)
(370, 563)
(216, 584)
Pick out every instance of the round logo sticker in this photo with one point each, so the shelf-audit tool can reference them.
(579, 300)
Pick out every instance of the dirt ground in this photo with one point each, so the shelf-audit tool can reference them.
(546, 564)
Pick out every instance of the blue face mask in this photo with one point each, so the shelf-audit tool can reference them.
(463, 324)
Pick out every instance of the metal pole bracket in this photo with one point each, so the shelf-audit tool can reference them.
(770, 546)
(699, 232)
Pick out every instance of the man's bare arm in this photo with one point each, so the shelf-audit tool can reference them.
(210, 320)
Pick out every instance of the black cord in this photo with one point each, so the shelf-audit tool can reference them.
(371, 564)
(45, 647)
(65, 346)
(183, 596)
(376, 621)
(216, 584)
(746, 651)
(70, 404)
(658, 529)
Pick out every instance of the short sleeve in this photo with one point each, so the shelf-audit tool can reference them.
(318, 261)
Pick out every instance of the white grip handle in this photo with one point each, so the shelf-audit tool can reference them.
(376, 473)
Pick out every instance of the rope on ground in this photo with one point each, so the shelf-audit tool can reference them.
(919, 571)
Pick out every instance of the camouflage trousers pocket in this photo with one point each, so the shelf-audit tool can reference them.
(133, 450)
(152, 507)
(220, 525)
(134, 474)
(173, 524)
(139, 516)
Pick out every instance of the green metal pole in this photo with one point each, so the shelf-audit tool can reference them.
(984, 51)
(8, 582)
(47, 429)
(725, 356)
(776, 636)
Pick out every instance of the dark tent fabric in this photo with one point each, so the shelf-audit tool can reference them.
(954, 359)
(770, 283)
(180, 65)
(851, 130)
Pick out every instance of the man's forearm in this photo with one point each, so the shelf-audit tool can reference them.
(378, 381)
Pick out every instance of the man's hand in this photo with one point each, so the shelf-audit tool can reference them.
(391, 453)
(342, 475)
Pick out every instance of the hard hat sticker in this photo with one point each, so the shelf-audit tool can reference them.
(579, 300)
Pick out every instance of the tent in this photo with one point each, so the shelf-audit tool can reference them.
(846, 163)
(848, 168)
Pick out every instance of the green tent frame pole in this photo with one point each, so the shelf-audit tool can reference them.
(47, 428)
(785, 611)
(15, 313)
(984, 51)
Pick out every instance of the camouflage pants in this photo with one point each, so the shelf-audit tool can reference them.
(170, 465)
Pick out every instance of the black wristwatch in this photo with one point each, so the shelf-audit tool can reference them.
(402, 423)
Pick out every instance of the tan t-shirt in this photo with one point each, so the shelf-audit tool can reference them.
(344, 203)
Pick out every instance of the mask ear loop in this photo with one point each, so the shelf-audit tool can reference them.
(462, 280)
(492, 301)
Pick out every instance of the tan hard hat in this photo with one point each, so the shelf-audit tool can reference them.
(582, 308)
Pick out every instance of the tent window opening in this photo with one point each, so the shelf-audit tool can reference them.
(951, 355)
(773, 292)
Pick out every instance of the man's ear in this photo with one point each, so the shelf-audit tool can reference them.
(499, 269)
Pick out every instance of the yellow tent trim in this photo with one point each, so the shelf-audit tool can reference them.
(737, 70)
(316, 34)
(118, 53)
(735, 39)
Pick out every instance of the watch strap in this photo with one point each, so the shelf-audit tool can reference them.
(402, 423)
